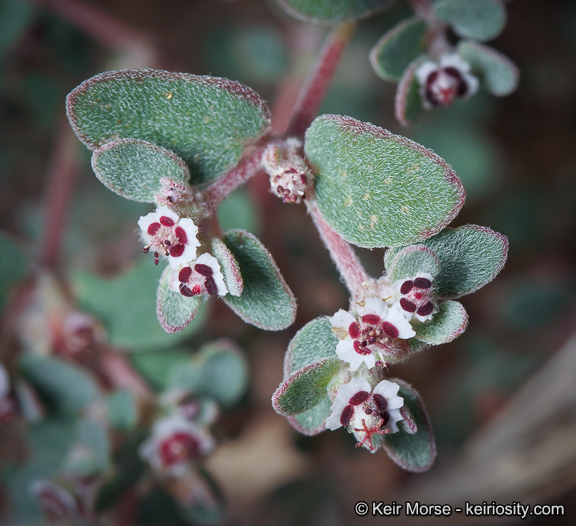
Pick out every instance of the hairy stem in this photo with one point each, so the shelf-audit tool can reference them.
(313, 92)
(343, 255)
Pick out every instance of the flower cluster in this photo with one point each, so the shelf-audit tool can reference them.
(166, 234)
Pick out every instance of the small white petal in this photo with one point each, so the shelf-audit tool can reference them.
(397, 318)
(212, 262)
(345, 392)
(389, 390)
(345, 351)
(453, 60)
(165, 211)
(424, 70)
(342, 320)
(145, 221)
(373, 306)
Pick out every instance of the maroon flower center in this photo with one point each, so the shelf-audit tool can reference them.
(371, 330)
(359, 398)
(444, 85)
(347, 415)
(390, 330)
(178, 448)
(417, 295)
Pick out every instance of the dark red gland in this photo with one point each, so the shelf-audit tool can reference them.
(176, 250)
(380, 402)
(166, 221)
(186, 291)
(390, 330)
(184, 274)
(178, 448)
(359, 398)
(406, 286)
(211, 287)
(407, 305)
(371, 319)
(153, 228)
(361, 349)
(432, 78)
(425, 309)
(347, 415)
(181, 235)
(354, 330)
(385, 418)
(453, 72)
(422, 283)
(205, 270)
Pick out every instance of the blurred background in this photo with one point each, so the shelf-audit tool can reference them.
(501, 398)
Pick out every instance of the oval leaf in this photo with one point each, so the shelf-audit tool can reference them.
(174, 310)
(411, 260)
(377, 189)
(470, 256)
(408, 107)
(207, 121)
(477, 19)
(229, 266)
(133, 168)
(312, 421)
(398, 48)
(498, 74)
(266, 301)
(312, 343)
(305, 388)
(332, 11)
(447, 324)
(413, 452)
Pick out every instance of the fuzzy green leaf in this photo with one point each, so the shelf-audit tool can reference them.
(133, 168)
(266, 301)
(413, 452)
(477, 19)
(122, 410)
(378, 189)
(498, 74)
(313, 420)
(207, 121)
(65, 387)
(305, 388)
(398, 48)
(94, 437)
(312, 343)
(411, 260)
(175, 311)
(408, 107)
(229, 266)
(447, 324)
(332, 11)
(13, 264)
(218, 371)
(155, 366)
(126, 307)
(470, 256)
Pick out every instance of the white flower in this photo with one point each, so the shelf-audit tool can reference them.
(56, 501)
(174, 443)
(416, 297)
(371, 335)
(441, 84)
(202, 276)
(365, 411)
(165, 233)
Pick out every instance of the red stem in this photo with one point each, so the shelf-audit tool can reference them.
(343, 255)
(313, 93)
(60, 184)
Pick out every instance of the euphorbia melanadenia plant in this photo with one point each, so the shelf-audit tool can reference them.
(184, 142)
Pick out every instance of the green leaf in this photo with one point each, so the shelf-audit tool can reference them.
(13, 265)
(175, 311)
(498, 74)
(155, 366)
(266, 301)
(133, 168)
(378, 189)
(398, 48)
(411, 260)
(446, 325)
(305, 388)
(408, 107)
(470, 256)
(332, 11)
(122, 410)
(92, 435)
(65, 387)
(313, 420)
(229, 266)
(125, 305)
(312, 343)
(413, 452)
(477, 19)
(207, 121)
(218, 371)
